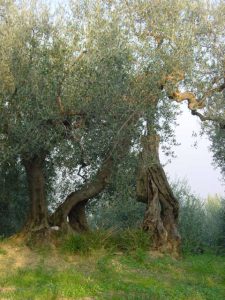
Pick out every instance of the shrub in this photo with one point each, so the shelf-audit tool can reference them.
(201, 222)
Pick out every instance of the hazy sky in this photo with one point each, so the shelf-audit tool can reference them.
(194, 164)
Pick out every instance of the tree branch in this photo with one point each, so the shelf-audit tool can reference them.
(193, 103)
(119, 149)
(208, 118)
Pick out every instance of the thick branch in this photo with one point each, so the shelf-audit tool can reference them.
(207, 118)
(88, 191)
(118, 151)
(193, 103)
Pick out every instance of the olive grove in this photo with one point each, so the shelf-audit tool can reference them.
(83, 88)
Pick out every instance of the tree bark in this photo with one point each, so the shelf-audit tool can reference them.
(162, 207)
(74, 205)
(78, 199)
(38, 216)
(77, 217)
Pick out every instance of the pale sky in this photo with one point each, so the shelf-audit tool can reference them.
(194, 164)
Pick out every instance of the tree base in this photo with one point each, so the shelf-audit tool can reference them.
(161, 215)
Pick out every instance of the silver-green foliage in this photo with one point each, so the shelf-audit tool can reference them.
(201, 221)
(117, 207)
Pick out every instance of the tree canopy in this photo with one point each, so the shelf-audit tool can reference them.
(84, 86)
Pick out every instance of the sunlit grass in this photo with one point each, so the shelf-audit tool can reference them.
(134, 275)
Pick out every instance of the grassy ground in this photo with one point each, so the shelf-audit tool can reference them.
(102, 274)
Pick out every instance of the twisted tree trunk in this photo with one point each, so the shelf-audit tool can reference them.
(162, 207)
(74, 205)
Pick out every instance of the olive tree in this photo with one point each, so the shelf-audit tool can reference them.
(80, 86)
(177, 60)
(61, 83)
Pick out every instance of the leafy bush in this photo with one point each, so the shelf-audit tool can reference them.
(214, 233)
(201, 222)
(191, 217)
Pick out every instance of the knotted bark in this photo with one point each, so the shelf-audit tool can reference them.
(162, 207)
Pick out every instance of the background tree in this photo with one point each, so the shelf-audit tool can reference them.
(116, 208)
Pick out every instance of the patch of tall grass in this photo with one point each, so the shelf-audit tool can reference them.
(123, 241)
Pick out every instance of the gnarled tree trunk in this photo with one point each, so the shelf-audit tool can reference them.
(74, 205)
(162, 207)
(38, 216)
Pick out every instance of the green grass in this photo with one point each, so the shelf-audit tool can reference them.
(126, 241)
(133, 275)
(2, 251)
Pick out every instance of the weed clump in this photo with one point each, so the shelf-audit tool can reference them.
(123, 241)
